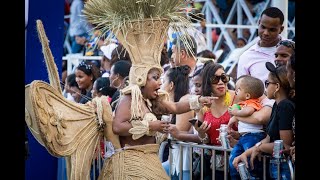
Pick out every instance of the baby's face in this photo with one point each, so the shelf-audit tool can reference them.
(240, 91)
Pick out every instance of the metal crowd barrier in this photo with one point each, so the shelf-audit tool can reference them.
(98, 160)
(213, 149)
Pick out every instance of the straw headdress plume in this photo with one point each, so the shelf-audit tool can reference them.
(141, 26)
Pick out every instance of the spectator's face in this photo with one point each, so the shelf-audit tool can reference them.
(166, 84)
(219, 83)
(271, 86)
(114, 79)
(240, 43)
(197, 85)
(178, 56)
(75, 93)
(241, 94)
(84, 81)
(268, 31)
(282, 55)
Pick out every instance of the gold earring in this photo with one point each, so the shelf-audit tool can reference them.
(274, 94)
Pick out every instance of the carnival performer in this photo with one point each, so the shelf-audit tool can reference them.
(73, 130)
(142, 103)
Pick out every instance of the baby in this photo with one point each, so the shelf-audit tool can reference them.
(247, 92)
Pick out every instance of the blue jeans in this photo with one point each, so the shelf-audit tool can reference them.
(245, 142)
(284, 170)
(166, 167)
(185, 174)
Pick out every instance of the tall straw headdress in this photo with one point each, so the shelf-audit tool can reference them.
(141, 26)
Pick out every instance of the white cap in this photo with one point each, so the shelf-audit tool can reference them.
(107, 50)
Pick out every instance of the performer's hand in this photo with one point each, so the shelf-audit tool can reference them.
(174, 131)
(206, 100)
(160, 126)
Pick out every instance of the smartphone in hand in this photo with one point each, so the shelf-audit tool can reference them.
(194, 120)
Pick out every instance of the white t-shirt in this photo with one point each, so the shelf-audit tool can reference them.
(248, 127)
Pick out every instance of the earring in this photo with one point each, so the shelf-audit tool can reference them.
(274, 94)
(294, 79)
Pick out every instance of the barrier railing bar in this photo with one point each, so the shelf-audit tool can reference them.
(201, 170)
(180, 163)
(213, 169)
(226, 165)
(190, 164)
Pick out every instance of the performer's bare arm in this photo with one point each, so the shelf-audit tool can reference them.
(183, 105)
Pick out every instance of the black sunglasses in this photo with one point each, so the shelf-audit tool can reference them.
(266, 83)
(287, 43)
(273, 69)
(224, 78)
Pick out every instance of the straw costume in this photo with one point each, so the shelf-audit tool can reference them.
(141, 26)
(72, 130)
(65, 128)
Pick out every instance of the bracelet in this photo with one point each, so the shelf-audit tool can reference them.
(194, 102)
(203, 139)
(257, 145)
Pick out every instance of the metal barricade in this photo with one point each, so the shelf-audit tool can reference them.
(213, 149)
(98, 161)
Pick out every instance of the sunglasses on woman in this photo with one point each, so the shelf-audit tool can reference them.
(224, 78)
(266, 83)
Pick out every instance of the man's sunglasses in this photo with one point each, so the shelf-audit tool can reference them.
(224, 78)
(287, 43)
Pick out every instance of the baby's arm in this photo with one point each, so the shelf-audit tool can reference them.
(244, 112)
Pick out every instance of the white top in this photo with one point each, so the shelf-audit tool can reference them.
(253, 61)
(248, 127)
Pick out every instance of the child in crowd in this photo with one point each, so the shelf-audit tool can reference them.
(247, 93)
(101, 86)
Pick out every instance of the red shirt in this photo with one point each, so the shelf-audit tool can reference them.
(213, 133)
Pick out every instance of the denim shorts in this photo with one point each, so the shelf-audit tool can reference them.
(284, 169)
